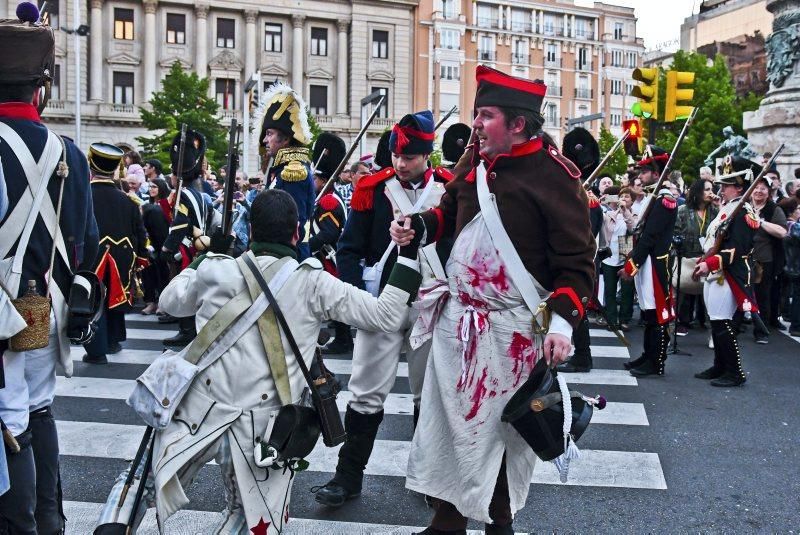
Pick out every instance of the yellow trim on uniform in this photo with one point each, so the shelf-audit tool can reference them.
(330, 214)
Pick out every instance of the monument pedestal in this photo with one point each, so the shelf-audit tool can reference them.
(777, 120)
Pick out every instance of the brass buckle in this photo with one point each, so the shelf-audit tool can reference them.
(544, 327)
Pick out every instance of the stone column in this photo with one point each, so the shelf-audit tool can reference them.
(777, 119)
(341, 68)
(150, 45)
(250, 52)
(96, 51)
(297, 53)
(201, 52)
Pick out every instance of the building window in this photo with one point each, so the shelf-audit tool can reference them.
(520, 21)
(449, 9)
(486, 48)
(226, 93)
(450, 72)
(55, 85)
(123, 24)
(384, 109)
(581, 31)
(318, 99)
(487, 17)
(631, 59)
(273, 37)
(450, 39)
(176, 29)
(123, 87)
(616, 58)
(520, 55)
(319, 41)
(380, 44)
(52, 13)
(616, 119)
(551, 114)
(616, 87)
(226, 33)
(549, 25)
(618, 31)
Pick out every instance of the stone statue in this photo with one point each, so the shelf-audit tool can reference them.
(783, 47)
(733, 145)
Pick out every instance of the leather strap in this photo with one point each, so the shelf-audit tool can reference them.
(285, 326)
(270, 336)
(524, 282)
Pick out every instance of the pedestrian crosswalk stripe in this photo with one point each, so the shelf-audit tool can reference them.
(601, 333)
(83, 517)
(596, 468)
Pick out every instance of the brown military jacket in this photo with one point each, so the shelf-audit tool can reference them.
(543, 208)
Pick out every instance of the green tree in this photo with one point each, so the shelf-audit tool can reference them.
(719, 107)
(314, 126)
(183, 99)
(618, 163)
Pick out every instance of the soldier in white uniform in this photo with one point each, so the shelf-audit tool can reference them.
(364, 257)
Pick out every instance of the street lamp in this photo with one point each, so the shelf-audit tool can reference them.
(372, 98)
(252, 83)
(82, 30)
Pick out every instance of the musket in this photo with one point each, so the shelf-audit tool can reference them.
(179, 172)
(446, 117)
(230, 183)
(611, 326)
(665, 172)
(722, 232)
(605, 159)
(319, 160)
(350, 151)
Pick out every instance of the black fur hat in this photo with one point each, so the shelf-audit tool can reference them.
(193, 154)
(336, 153)
(582, 148)
(454, 141)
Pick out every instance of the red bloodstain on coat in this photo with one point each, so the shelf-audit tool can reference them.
(477, 397)
(523, 354)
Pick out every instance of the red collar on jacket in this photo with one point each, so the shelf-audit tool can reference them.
(19, 110)
(521, 149)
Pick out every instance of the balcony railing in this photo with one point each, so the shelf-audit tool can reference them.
(488, 22)
(554, 90)
(556, 62)
(551, 122)
(584, 34)
(486, 55)
(520, 59)
(582, 92)
(521, 27)
(587, 66)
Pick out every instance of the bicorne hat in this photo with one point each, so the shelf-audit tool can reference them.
(193, 153)
(284, 110)
(582, 148)
(413, 134)
(454, 141)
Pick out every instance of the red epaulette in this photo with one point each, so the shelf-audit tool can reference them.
(328, 202)
(362, 196)
(669, 202)
(564, 162)
(442, 173)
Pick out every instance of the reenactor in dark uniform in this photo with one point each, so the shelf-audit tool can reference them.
(284, 137)
(189, 224)
(727, 287)
(330, 215)
(365, 258)
(648, 265)
(383, 156)
(32, 504)
(122, 250)
(583, 150)
(454, 143)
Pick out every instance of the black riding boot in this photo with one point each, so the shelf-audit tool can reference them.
(731, 357)
(342, 341)
(353, 457)
(186, 333)
(581, 361)
(647, 348)
(659, 340)
(715, 371)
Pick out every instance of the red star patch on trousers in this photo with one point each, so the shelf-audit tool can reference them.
(261, 527)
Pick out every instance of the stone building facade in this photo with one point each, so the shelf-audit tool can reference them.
(584, 55)
(334, 51)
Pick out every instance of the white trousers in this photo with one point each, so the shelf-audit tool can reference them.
(643, 281)
(719, 299)
(376, 356)
(30, 382)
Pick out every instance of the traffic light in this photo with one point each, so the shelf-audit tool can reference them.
(678, 99)
(647, 93)
(634, 135)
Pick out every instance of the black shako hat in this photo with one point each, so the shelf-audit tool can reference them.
(582, 148)
(653, 159)
(336, 153)
(29, 49)
(104, 159)
(732, 171)
(454, 141)
(496, 88)
(193, 154)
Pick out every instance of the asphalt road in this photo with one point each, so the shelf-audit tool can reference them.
(673, 454)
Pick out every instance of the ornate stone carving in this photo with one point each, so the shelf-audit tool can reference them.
(97, 4)
(150, 6)
(783, 51)
(123, 58)
(226, 61)
(342, 26)
(201, 11)
(298, 20)
(250, 16)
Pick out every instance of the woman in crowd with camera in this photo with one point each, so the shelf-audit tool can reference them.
(690, 229)
(618, 222)
(156, 216)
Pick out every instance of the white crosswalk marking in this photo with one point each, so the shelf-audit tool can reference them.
(82, 437)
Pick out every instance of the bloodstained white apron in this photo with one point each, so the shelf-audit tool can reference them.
(483, 350)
